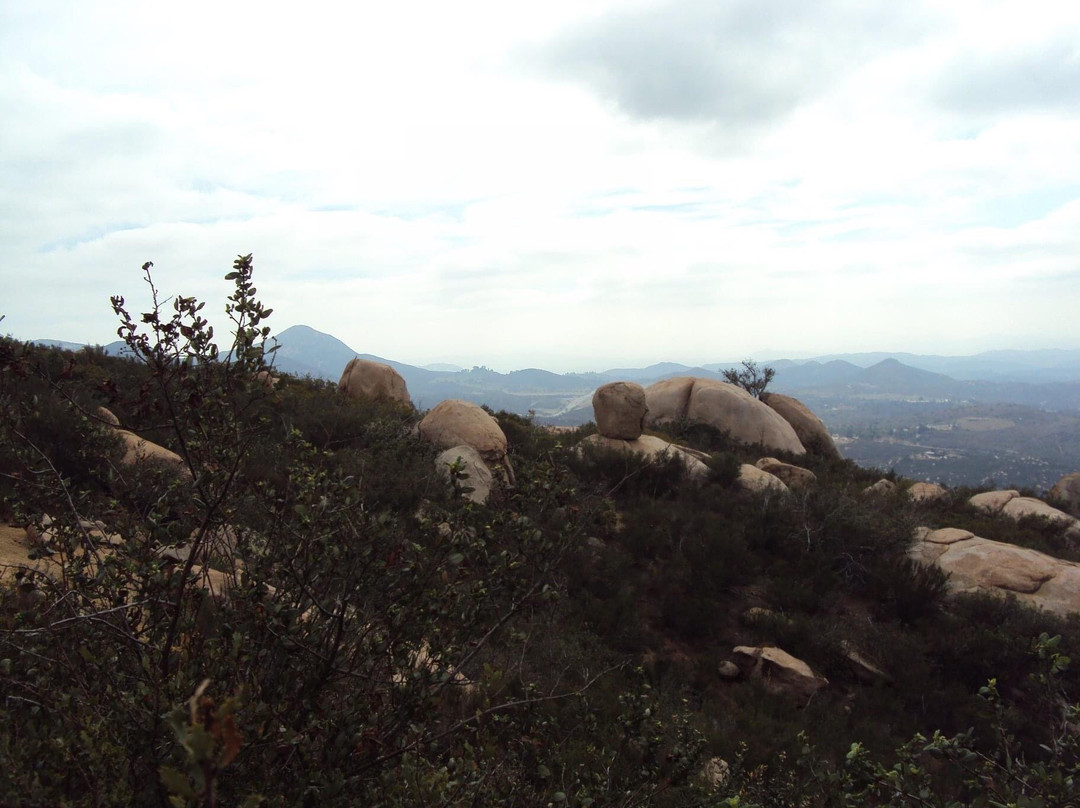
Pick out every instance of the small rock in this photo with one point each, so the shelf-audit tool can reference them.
(728, 670)
(753, 480)
(793, 477)
(882, 488)
(926, 492)
(781, 673)
(715, 772)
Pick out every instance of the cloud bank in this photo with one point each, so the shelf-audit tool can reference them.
(573, 186)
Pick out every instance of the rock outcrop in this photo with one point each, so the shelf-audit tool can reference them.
(793, 477)
(811, 430)
(992, 501)
(454, 423)
(140, 450)
(364, 379)
(1009, 503)
(781, 673)
(619, 409)
(722, 406)
(473, 472)
(652, 448)
(975, 564)
(1067, 490)
(753, 480)
(926, 492)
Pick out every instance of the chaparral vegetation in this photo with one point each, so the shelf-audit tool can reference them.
(228, 586)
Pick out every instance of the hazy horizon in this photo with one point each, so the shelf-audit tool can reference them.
(571, 185)
(580, 365)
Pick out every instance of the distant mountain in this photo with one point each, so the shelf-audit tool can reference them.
(1018, 377)
(58, 343)
(893, 376)
(657, 371)
(815, 374)
(1037, 367)
(303, 351)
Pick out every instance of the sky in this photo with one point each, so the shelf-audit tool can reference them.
(572, 184)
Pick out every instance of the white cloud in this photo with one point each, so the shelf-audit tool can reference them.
(408, 184)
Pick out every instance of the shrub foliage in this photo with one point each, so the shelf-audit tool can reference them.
(302, 612)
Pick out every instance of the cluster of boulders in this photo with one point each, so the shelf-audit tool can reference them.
(474, 447)
(623, 409)
(1009, 503)
(620, 411)
(975, 564)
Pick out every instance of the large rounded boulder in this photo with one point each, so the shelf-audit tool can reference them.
(619, 408)
(722, 406)
(811, 430)
(455, 422)
(375, 381)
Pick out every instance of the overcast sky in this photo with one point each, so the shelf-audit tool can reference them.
(571, 185)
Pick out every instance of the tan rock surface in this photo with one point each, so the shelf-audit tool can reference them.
(746, 419)
(653, 447)
(882, 488)
(793, 477)
(376, 381)
(667, 400)
(723, 406)
(107, 416)
(755, 481)
(993, 501)
(976, 564)
(782, 673)
(140, 450)
(477, 475)
(454, 423)
(811, 430)
(1009, 503)
(1020, 507)
(620, 410)
(926, 492)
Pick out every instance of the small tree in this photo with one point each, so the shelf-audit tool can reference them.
(751, 378)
